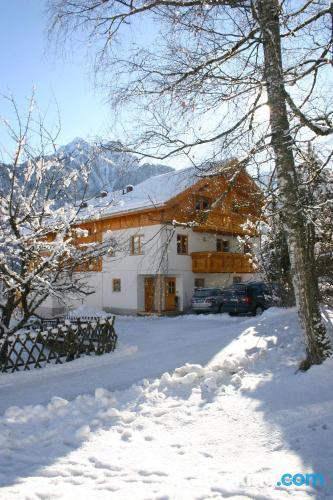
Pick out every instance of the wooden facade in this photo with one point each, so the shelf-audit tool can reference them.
(216, 207)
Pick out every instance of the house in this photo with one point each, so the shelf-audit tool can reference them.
(170, 234)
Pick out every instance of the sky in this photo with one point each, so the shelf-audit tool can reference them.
(61, 82)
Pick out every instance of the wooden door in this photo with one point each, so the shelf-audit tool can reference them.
(170, 293)
(149, 294)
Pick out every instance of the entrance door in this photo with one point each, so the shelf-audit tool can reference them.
(149, 294)
(170, 293)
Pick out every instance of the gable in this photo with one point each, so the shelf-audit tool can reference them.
(218, 204)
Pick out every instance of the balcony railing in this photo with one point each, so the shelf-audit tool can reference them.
(221, 262)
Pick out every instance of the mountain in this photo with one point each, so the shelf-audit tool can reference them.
(110, 169)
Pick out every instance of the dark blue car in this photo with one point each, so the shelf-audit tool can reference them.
(249, 298)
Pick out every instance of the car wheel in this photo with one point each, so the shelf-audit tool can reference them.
(258, 311)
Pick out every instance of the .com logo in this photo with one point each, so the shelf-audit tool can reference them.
(301, 480)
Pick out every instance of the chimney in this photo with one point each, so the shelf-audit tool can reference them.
(128, 189)
(102, 194)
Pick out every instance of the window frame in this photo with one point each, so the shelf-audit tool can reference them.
(201, 203)
(220, 242)
(247, 248)
(226, 246)
(133, 250)
(181, 238)
(115, 283)
(202, 280)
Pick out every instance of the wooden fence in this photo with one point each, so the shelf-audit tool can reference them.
(57, 341)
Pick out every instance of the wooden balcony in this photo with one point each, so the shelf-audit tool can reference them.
(221, 262)
(226, 222)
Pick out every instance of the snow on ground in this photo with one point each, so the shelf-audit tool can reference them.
(194, 407)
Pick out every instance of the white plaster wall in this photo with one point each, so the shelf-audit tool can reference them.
(148, 263)
(95, 282)
(187, 290)
(131, 269)
(47, 307)
(127, 298)
(52, 305)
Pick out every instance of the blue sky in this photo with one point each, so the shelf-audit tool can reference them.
(64, 82)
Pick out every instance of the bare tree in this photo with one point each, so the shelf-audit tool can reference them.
(204, 84)
(315, 183)
(41, 243)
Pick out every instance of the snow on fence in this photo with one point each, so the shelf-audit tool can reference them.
(57, 341)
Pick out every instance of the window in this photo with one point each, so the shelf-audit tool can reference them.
(84, 232)
(205, 204)
(235, 207)
(112, 243)
(199, 283)
(94, 265)
(182, 244)
(202, 203)
(116, 285)
(222, 245)
(136, 245)
(226, 246)
(170, 286)
(247, 248)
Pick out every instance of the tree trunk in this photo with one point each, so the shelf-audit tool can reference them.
(317, 342)
(7, 313)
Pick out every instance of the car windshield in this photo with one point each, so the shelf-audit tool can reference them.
(234, 291)
(205, 293)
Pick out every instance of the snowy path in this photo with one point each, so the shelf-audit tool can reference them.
(227, 429)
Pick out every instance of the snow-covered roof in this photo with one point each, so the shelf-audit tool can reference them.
(151, 193)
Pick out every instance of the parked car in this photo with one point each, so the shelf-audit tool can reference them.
(207, 300)
(249, 298)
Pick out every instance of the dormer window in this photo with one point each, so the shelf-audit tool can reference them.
(202, 203)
